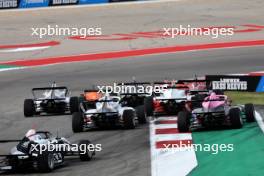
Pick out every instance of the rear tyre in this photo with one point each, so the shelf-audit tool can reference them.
(45, 162)
(250, 112)
(141, 114)
(29, 108)
(236, 121)
(85, 155)
(129, 119)
(74, 104)
(77, 122)
(148, 106)
(183, 121)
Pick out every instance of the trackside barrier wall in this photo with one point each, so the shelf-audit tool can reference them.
(9, 4)
(236, 82)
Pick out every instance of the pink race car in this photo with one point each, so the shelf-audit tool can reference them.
(215, 111)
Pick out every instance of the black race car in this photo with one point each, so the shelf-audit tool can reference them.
(42, 152)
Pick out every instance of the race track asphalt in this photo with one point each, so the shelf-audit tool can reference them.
(125, 152)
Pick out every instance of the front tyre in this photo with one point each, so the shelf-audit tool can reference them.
(148, 106)
(184, 121)
(29, 108)
(129, 119)
(250, 112)
(45, 162)
(74, 104)
(141, 114)
(235, 119)
(85, 155)
(77, 122)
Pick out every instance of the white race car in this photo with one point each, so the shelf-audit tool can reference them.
(49, 100)
(109, 111)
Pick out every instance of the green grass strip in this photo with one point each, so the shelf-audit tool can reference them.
(247, 158)
(246, 97)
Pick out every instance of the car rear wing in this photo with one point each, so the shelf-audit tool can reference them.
(100, 113)
(193, 92)
(50, 88)
(134, 83)
(85, 102)
(90, 90)
(177, 99)
(213, 112)
(12, 140)
(176, 87)
(218, 99)
(98, 101)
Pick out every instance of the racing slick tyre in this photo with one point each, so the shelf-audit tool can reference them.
(141, 114)
(250, 112)
(45, 162)
(184, 121)
(129, 119)
(29, 108)
(85, 155)
(235, 119)
(77, 122)
(148, 106)
(74, 104)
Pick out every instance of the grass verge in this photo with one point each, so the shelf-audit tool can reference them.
(246, 97)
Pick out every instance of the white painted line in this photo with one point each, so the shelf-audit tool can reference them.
(12, 68)
(259, 121)
(180, 136)
(168, 118)
(163, 126)
(23, 49)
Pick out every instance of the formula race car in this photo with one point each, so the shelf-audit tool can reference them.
(215, 111)
(109, 111)
(174, 97)
(49, 100)
(89, 96)
(42, 152)
(169, 102)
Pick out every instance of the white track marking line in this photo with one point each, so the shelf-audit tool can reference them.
(259, 121)
(162, 126)
(23, 49)
(167, 118)
(180, 136)
(12, 68)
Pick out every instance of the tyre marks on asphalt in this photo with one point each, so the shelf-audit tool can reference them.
(168, 157)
